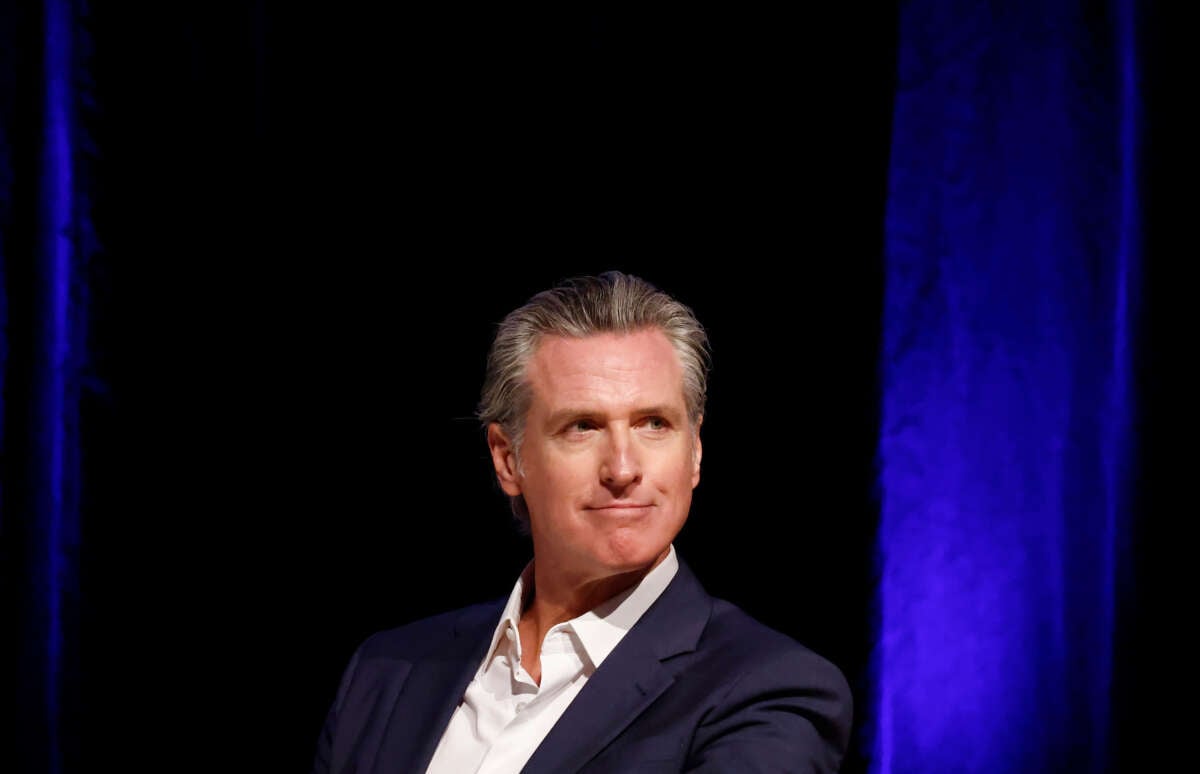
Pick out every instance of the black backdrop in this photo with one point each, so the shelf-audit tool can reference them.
(308, 222)
(311, 220)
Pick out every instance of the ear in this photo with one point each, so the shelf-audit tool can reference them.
(697, 452)
(504, 460)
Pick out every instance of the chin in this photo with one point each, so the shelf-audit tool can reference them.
(636, 553)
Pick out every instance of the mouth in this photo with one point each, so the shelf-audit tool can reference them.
(623, 510)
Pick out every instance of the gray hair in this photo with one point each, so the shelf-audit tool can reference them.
(611, 302)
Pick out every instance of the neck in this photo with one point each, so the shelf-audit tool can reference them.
(560, 596)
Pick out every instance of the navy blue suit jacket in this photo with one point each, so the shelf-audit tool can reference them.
(695, 685)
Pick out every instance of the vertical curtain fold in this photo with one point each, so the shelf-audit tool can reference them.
(1011, 281)
(47, 241)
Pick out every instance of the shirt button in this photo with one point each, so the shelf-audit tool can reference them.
(521, 706)
(509, 634)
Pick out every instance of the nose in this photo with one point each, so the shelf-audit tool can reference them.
(620, 467)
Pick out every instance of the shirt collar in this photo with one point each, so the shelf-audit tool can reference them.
(510, 617)
(600, 629)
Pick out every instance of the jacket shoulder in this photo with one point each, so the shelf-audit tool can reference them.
(736, 637)
(416, 638)
(729, 623)
(763, 666)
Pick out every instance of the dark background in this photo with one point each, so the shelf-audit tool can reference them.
(310, 222)
(307, 223)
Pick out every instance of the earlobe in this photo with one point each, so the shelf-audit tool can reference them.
(504, 460)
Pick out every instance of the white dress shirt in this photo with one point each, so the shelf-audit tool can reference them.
(504, 714)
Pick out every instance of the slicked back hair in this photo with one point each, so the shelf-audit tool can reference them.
(611, 302)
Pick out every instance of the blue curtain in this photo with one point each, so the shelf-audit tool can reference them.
(46, 241)
(1012, 270)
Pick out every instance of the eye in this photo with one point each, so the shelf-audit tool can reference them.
(581, 426)
(655, 423)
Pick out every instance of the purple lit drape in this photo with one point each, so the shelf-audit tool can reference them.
(1011, 275)
(46, 240)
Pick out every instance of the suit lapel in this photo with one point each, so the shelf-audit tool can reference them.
(434, 688)
(629, 680)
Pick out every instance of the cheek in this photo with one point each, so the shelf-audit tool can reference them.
(562, 480)
(676, 480)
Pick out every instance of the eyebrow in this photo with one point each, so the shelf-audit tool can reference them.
(562, 416)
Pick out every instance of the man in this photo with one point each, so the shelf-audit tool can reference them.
(608, 656)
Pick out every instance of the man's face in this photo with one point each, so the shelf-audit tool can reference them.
(609, 460)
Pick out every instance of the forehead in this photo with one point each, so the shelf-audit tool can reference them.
(642, 365)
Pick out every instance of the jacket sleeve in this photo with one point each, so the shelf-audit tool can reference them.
(791, 714)
(322, 762)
